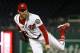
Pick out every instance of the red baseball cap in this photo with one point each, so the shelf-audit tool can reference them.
(22, 6)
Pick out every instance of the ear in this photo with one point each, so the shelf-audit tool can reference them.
(18, 11)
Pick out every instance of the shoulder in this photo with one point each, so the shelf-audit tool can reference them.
(36, 19)
(34, 16)
(16, 16)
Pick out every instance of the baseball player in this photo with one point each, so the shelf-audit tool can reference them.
(34, 29)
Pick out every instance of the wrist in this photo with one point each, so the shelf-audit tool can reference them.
(47, 43)
(47, 46)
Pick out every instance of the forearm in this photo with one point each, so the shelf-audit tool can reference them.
(23, 33)
(45, 34)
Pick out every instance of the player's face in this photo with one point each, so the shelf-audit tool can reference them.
(23, 13)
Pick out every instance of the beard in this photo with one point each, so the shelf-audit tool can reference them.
(23, 16)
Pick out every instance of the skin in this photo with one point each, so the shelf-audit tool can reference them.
(23, 15)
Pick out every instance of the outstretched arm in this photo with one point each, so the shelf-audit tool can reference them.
(44, 31)
(42, 28)
(45, 34)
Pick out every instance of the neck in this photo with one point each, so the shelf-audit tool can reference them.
(21, 18)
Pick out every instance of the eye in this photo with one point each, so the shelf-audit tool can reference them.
(22, 10)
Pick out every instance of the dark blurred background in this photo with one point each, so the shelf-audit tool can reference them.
(52, 13)
(45, 8)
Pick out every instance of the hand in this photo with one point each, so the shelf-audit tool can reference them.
(20, 31)
(47, 46)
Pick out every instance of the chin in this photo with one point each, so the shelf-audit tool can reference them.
(24, 16)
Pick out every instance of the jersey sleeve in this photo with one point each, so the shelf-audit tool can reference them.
(15, 19)
(38, 21)
(16, 24)
(41, 26)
